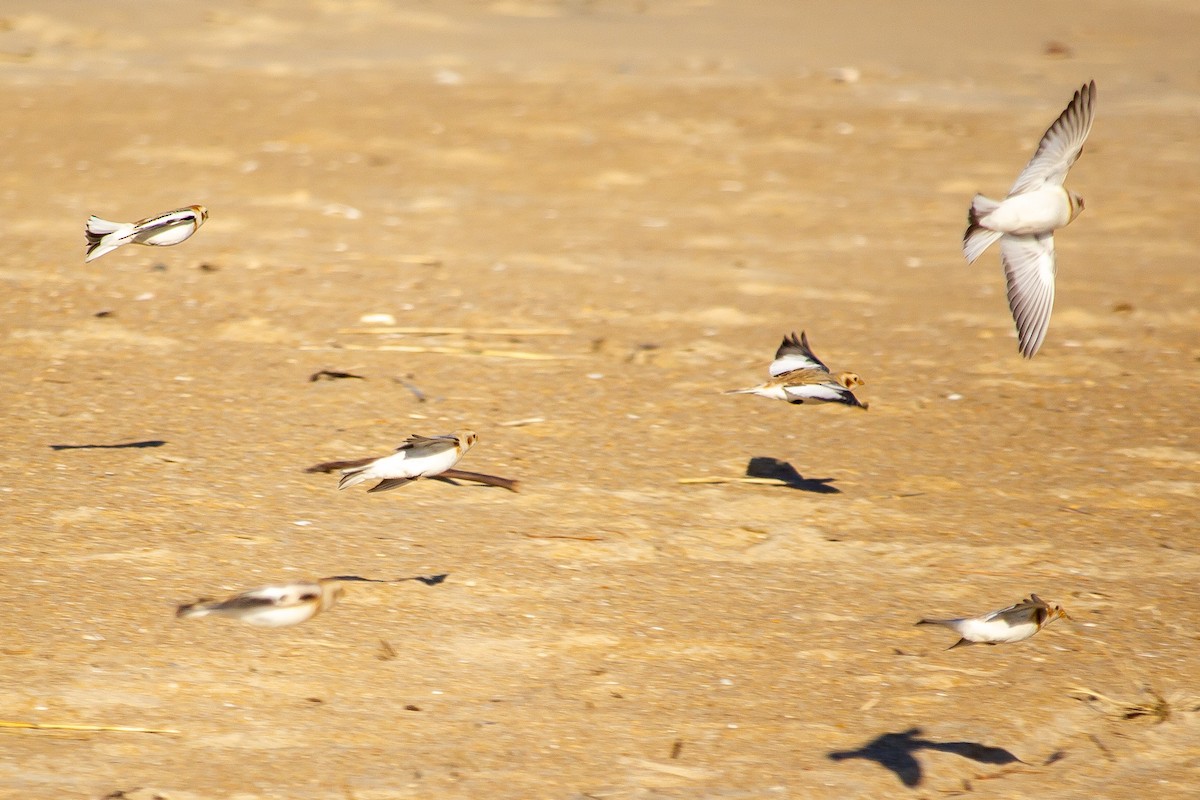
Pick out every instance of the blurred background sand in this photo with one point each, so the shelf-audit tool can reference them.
(618, 208)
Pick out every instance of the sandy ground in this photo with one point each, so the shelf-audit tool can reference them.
(646, 196)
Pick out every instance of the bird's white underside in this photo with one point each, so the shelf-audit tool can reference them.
(994, 630)
(406, 464)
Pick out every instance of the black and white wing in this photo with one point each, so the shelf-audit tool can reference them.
(795, 354)
(827, 392)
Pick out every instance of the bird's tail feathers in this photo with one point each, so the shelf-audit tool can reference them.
(352, 477)
(980, 207)
(104, 236)
(97, 227)
(196, 609)
(976, 240)
(96, 250)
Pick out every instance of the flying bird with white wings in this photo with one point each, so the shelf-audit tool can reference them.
(271, 606)
(162, 230)
(798, 376)
(418, 457)
(1013, 624)
(1025, 220)
(284, 604)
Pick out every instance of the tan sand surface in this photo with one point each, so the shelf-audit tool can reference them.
(644, 196)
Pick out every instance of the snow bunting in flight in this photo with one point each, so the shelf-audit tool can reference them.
(798, 376)
(418, 457)
(160, 231)
(1025, 220)
(1013, 624)
(271, 606)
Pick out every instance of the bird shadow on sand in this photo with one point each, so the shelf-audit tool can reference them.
(122, 446)
(780, 470)
(895, 751)
(428, 580)
(454, 477)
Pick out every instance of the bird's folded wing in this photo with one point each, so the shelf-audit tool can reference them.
(428, 445)
(390, 483)
(163, 221)
(279, 596)
(829, 392)
(1023, 611)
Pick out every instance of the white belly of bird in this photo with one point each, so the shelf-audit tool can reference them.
(773, 392)
(279, 617)
(1040, 211)
(996, 631)
(403, 465)
(168, 236)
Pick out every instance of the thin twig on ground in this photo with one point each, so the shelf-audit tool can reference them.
(391, 329)
(52, 726)
(521, 355)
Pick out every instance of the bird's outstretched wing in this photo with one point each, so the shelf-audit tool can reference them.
(1029, 267)
(795, 354)
(1061, 144)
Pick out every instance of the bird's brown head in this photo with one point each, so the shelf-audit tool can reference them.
(466, 439)
(850, 379)
(1057, 611)
(201, 212)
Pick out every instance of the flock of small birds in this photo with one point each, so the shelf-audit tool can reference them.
(1024, 222)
